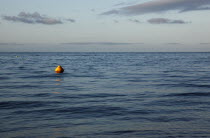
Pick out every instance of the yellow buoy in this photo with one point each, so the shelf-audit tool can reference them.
(59, 69)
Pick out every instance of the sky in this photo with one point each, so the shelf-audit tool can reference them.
(104, 26)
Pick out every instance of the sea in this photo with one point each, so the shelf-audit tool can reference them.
(105, 95)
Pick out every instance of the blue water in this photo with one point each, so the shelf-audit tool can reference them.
(105, 95)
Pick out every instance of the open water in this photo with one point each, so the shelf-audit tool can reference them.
(105, 95)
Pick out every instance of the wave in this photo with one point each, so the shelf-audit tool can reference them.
(191, 94)
(24, 104)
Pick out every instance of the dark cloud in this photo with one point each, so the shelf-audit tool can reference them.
(111, 12)
(134, 20)
(165, 21)
(49, 21)
(156, 6)
(71, 20)
(32, 18)
(18, 19)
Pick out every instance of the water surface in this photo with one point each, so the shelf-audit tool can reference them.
(105, 95)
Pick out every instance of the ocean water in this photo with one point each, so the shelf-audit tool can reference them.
(105, 95)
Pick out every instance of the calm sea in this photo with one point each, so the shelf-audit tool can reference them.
(105, 95)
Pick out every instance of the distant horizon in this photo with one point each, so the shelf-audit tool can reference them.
(108, 52)
(104, 47)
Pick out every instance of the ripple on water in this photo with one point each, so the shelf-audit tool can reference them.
(105, 95)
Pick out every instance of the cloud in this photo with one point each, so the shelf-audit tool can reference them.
(111, 12)
(10, 44)
(98, 43)
(204, 43)
(165, 21)
(125, 3)
(92, 10)
(120, 4)
(71, 20)
(32, 18)
(156, 6)
(173, 43)
(134, 20)
(116, 21)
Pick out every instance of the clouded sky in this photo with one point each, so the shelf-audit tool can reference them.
(104, 25)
